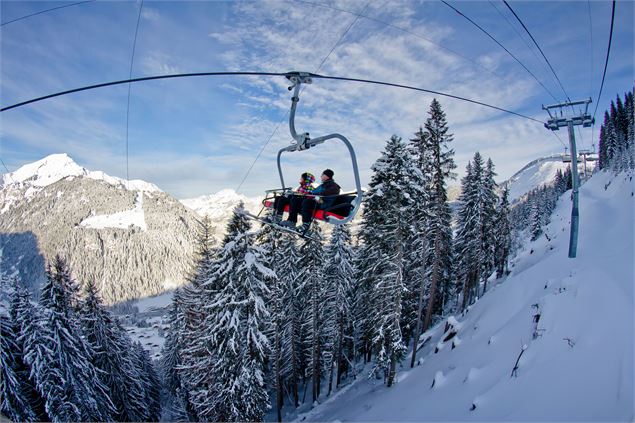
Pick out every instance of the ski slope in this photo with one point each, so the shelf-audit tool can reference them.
(577, 367)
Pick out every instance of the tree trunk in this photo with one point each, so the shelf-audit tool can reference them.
(316, 344)
(340, 348)
(418, 328)
(434, 280)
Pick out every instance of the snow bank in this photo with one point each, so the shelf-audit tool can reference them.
(120, 220)
(577, 363)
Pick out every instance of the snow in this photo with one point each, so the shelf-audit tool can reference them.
(157, 302)
(120, 220)
(56, 167)
(579, 366)
(537, 173)
(219, 206)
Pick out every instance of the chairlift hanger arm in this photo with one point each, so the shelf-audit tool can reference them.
(304, 142)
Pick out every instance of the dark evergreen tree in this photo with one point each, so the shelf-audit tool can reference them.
(61, 359)
(468, 241)
(186, 359)
(338, 278)
(294, 301)
(394, 231)
(417, 273)
(235, 329)
(503, 232)
(312, 276)
(112, 355)
(149, 380)
(439, 229)
(15, 401)
(488, 230)
(22, 317)
(270, 241)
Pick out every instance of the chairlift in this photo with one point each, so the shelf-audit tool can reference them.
(346, 205)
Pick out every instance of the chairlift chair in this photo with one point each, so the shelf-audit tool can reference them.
(345, 205)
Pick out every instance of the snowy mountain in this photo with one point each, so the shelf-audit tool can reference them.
(539, 172)
(552, 342)
(56, 167)
(133, 239)
(218, 207)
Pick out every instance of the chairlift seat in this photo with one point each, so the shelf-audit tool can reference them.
(340, 209)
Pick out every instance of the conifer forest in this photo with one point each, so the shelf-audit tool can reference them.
(270, 321)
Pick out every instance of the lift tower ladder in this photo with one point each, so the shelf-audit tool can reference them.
(558, 120)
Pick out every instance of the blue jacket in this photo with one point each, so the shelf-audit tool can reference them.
(327, 189)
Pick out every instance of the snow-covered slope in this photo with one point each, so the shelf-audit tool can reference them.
(577, 359)
(537, 173)
(219, 206)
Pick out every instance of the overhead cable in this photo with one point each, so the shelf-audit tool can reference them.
(200, 74)
(539, 49)
(502, 46)
(45, 11)
(402, 29)
(606, 62)
(134, 46)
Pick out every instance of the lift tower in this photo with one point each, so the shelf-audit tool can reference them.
(556, 121)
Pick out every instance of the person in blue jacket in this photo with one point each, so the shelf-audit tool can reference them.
(327, 191)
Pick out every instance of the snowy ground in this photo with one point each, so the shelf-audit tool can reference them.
(577, 363)
(121, 220)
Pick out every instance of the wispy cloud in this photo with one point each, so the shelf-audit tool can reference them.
(195, 136)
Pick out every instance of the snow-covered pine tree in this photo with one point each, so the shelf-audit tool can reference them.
(338, 277)
(269, 240)
(418, 274)
(61, 359)
(630, 133)
(559, 182)
(112, 347)
(22, 317)
(503, 234)
(394, 230)
(149, 380)
(367, 260)
(312, 277)
(172, 348)
(186, 356)
(604, 147)
(536, 218)
(467, 242)
(415, 212)
(439, 229)
(294, 301)
(235, 325)
(488, 229)
(15, 402)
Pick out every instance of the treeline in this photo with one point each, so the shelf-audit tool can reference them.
(267, 318)
(617, 141)
(533, 212)
(66, 359)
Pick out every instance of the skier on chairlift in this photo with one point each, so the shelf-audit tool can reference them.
(293, 199)
(308, 204)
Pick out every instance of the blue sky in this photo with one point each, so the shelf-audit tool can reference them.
(199, 135)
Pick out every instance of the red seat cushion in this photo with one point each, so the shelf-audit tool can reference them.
(318, 214)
